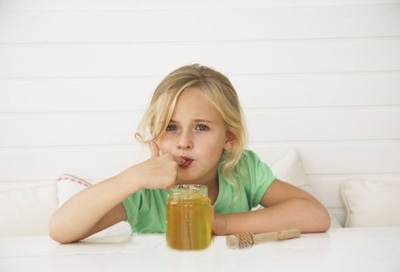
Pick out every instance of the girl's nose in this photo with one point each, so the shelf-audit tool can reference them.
(185, 141)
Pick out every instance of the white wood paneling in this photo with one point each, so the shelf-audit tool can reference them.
(319, 75)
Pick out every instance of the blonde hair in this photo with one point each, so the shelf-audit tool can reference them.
(219, 92)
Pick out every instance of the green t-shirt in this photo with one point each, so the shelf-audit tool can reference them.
(145, 209)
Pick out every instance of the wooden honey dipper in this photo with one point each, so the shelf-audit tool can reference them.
(247, 239)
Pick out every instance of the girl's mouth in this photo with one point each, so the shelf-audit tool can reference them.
(184, 162)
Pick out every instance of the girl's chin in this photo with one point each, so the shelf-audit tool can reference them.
(187, 181)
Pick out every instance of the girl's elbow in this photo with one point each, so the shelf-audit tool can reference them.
(323, 222)
(58, 233)
(318, 219)
(324, 225)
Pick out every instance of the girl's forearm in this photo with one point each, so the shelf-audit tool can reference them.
(99, 206)
(78, 217)
(303, 214)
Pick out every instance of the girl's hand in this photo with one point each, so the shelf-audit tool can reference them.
(158, 172)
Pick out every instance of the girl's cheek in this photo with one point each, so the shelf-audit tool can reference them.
(164, 146)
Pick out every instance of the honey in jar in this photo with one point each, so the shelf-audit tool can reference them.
(188, 214)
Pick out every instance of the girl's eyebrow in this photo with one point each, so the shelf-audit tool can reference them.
(203, 121)
(195, 120)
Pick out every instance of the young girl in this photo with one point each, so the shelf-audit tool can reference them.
(195, 131)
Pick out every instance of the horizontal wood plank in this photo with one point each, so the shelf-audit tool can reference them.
(237, 58)
(340, 214)
(49, 163)
(118, 128)
(327, 125)
(166, 25)
(328, 187)
(333, 159)
(118, 5)
(133, 94)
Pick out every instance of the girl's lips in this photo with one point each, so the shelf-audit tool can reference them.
(185, 162)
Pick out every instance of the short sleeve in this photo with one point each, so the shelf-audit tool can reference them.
(132, 205)
(145, 211)
(259, 176)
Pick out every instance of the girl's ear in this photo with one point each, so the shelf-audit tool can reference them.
(228, 142)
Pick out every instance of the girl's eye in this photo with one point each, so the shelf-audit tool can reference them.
(201, 127)
(170, 128)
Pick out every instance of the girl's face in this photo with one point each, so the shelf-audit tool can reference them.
(196, 137)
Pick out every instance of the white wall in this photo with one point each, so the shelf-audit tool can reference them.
(323, 76)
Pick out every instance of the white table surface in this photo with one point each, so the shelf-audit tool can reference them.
(354, 249)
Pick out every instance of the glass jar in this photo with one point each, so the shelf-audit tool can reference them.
(188, 213)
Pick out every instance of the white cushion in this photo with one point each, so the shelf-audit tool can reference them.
(290, 169)
(68, 185)
(371, 203)
(26, 210)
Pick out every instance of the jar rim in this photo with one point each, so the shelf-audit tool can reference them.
(188, 190)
